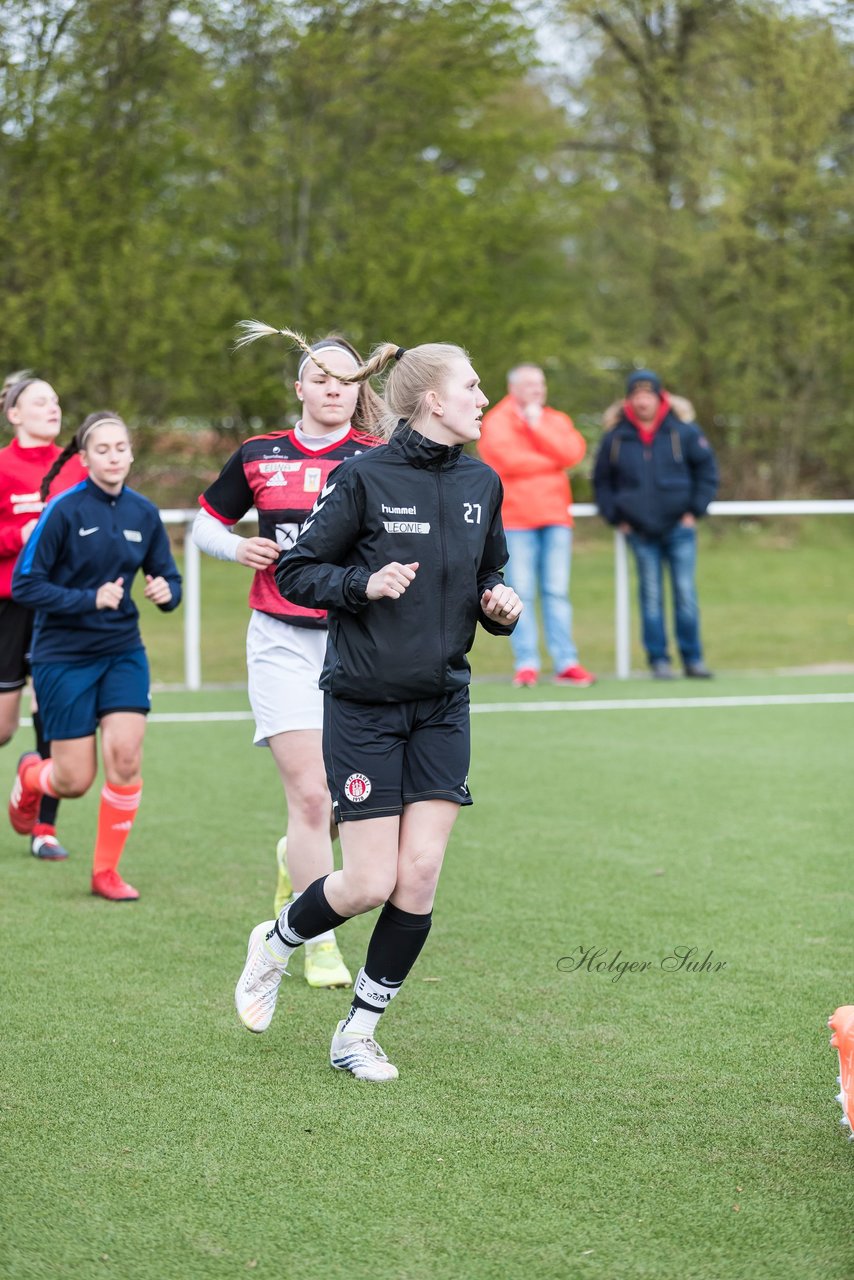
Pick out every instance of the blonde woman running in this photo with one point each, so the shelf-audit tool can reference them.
(404, 547)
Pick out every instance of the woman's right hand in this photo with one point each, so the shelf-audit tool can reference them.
(391, 581)
(258, 553)
(109, 596)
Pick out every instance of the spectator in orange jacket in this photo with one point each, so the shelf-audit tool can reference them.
(532, 446)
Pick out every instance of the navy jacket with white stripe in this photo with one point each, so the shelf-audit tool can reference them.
(84, 538)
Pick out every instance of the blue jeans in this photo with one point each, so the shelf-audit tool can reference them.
(540, 562)
(678, 550)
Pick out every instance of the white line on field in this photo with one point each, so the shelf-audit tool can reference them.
(611, 704)
(197, 717)
(672, 704)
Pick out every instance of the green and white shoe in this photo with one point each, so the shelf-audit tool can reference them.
(284, 888)
(324, 965)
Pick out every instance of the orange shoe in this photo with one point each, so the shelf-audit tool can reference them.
(109, 884)
(24, 802)
(525, 678)
(842, 1025)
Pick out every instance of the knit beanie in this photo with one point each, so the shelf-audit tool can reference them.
(643, 375)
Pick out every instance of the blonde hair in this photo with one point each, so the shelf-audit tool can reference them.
(17, 382)
(416, 371)
(369, 410)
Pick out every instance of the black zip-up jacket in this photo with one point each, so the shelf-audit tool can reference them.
(652, 486)
(409, 500)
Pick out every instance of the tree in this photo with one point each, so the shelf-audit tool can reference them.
(380, 167)
(712, 196)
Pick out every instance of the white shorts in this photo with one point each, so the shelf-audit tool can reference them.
(284, 665)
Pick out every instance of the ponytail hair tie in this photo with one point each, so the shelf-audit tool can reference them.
(401, 351)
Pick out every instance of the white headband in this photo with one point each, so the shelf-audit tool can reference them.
(100, 422)
(327, 346)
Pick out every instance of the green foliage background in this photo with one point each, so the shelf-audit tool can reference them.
(591, 187)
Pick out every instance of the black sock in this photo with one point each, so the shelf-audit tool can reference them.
(395, 945)
(310, 915)
(49, 804)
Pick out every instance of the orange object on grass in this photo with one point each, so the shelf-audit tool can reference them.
(842, 1025)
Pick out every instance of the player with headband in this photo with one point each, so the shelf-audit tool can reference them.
(404, 547)
(89, 666)
(281, 474)
(33, 410)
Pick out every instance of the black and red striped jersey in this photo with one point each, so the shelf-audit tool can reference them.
(281, 478)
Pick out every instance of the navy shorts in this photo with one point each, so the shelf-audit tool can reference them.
(73, 697)
(382, 756)
(16, 629)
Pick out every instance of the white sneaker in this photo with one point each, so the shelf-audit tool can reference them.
(258, 986)
(361, 1056)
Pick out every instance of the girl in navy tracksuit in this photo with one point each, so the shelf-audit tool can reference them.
(88, 661)
(404, 547)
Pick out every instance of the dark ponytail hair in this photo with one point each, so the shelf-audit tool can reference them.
(76, 443)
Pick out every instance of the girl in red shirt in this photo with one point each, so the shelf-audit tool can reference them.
(32, 408)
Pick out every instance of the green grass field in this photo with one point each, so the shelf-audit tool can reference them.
(773, 594)
(547, 1124)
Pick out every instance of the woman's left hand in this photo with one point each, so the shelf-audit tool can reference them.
(501, 604)
(157, 590)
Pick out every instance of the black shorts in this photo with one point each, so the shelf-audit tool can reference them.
(382, 756)
(16, 632)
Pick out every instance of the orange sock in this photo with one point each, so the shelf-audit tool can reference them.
(115, 819)
(36, 777)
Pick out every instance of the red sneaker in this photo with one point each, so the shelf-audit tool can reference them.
(576, 676)
(24, 802)
(525, 678)
(109, 884)
(842, 1025)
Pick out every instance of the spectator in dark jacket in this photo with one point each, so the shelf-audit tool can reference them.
(654, 477)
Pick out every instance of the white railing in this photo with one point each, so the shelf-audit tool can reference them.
(622, 608)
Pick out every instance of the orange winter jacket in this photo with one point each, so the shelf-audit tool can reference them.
(532, 463)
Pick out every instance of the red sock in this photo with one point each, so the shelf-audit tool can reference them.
(115, 819)
(44, 829)
(37, 777)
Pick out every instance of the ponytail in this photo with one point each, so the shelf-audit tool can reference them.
(379, 358)
(423, 369)
(369, 410)
(68, 452)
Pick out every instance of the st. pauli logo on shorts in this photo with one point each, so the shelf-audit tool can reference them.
(357, 788)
